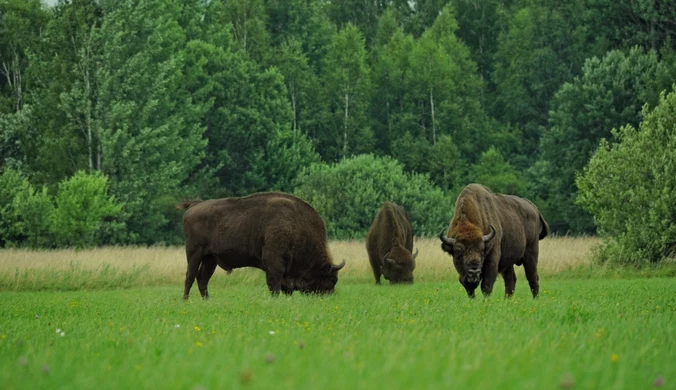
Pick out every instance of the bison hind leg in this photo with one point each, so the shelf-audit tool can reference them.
(530, 264)
(206, 271)
(510, 281)
(194, 261)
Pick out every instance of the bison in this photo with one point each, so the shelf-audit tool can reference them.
(489, 234)
(389, 244)
(275, 232)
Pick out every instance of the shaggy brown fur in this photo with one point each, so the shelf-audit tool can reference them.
(275, 232)
(389, 244)
(479, 254)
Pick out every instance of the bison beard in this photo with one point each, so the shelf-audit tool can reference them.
(389, 244)
(490, 234)
(275, 232)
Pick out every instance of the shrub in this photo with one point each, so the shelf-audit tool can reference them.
(349, 193)
(629, 186)
(81, 206)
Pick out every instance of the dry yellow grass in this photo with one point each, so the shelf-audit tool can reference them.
(123, 267)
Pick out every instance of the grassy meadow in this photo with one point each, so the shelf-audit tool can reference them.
(114, 318)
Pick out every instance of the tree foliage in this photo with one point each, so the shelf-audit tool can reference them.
(171, 99)
(349, 193)
(630, 188)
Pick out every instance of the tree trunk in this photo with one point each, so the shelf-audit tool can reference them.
(292, 89)
(434, 128)
(347, 101)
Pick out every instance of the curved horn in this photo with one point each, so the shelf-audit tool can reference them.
(339, 266)
(415, 254)
(391, 261)
(490, 235)
(444, 239)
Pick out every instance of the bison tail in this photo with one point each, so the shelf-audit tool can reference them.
(186, 204)
(544, 232)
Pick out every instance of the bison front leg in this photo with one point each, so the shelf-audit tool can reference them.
(274, 271)
(510, 281)
(205, 272)
(490, 275)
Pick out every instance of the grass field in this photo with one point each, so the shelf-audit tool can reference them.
(122, 324)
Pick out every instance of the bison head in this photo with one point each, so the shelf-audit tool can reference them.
(323, 281)
(398, 265)
(468, 248)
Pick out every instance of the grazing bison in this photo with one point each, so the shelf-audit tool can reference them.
(489, 234)
(278, 233)
(389, 245)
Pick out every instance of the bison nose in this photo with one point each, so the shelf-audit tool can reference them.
(474, 271)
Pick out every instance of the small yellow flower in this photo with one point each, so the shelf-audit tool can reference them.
(198, 344)
(4, 336)
(614, 357)
(197, 328)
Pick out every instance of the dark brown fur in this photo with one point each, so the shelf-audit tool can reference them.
(389, 245)
(275, 232)
(518, 228)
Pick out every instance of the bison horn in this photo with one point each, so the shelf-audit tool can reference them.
(490, 235)
(415, 254)
(339, 266)
(391, 261)
(444, 239)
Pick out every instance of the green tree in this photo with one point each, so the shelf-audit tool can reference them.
(64, 77)
(247, 19)
(302, 21)
(608, 95)
(21, 22)
(33, 211)
(347, 88)
(544, 45)
(497, 174)
(151, 137)
(630, 188)
(82, 203)
(626, 23)
(349, 193)
(12, 184)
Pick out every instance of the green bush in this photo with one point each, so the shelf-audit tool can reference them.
(349, 193)
(629, 187)
(24, 213)
(81, 206)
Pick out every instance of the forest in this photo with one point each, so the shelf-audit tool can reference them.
(111, 111)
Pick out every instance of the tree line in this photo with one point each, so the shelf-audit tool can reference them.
(139, 103)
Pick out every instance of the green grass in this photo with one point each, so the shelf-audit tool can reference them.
(424, 336)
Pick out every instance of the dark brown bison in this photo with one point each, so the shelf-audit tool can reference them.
(389, 245)
(489, 234)
(278, 233)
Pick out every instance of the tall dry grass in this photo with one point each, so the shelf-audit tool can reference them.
(123, 267)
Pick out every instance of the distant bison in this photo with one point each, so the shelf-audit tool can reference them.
(489, 234)
(389, 245)
(275, 232)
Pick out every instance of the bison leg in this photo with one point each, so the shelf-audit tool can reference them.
(530, 264)
(194, 260)
(510, 281)
(206, 270)
(490, 275)
(274, 271)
